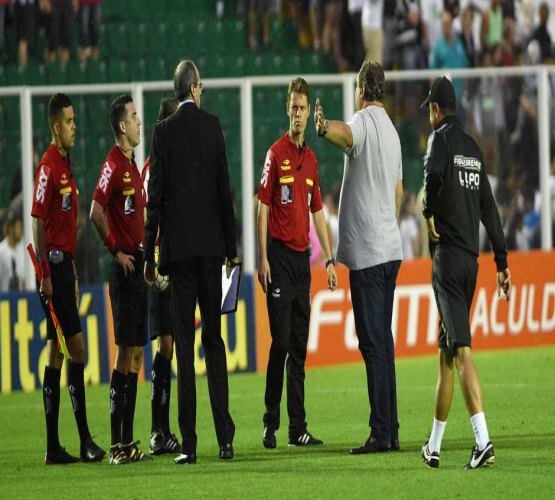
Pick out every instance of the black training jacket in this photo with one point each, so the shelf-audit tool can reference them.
(457, 191)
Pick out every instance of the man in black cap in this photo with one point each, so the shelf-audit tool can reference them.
(458, 196)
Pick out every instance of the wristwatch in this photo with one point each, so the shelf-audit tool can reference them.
(330, 261)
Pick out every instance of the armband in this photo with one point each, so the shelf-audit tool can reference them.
(331, 261)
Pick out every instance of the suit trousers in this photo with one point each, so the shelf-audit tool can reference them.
(191, 279)
(372, 298)
(288, 301)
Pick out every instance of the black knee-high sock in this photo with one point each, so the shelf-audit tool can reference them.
(129, 408)
(76, 382)
(117, 392)
(157, 384)
(165, 402)
(51, 401)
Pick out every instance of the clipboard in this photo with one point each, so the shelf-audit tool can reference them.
(230, 289)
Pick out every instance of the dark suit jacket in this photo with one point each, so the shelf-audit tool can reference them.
(188, 191)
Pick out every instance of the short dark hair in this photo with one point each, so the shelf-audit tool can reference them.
(168, 105)
(118, 112)
(184, 76)
(56, 104)
(299, 86)
(371, 78)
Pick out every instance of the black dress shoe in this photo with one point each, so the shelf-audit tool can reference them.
(186, 458)
(372, 445)
(91, 452)
(226, 451)
(395, 445)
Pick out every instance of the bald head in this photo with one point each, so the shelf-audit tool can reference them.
(185, 75)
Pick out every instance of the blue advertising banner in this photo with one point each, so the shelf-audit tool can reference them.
(23, 351)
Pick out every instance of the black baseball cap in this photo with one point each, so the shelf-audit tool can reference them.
(442, 93)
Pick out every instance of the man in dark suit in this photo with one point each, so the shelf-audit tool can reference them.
(189, 198)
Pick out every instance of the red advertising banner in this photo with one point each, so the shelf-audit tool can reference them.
(527, 320)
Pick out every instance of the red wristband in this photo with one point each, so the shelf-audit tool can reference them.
(45, 268)
(110, 243)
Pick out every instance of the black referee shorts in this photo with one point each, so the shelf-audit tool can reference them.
(454, 273)
(160, 313)
(129, 304)
(63, 300)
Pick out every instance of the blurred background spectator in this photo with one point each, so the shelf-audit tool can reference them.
(408, 226)
(259, 14)
(412, 41)
(491, 31)
(3, 15)
(541, 34)
(12, 253)
(354, 8)
(59, 19)
(90, 12)
(372, 17)
(25, 17)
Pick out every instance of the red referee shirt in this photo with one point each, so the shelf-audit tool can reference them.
(55, 201)
(290, 187)
(120, 189)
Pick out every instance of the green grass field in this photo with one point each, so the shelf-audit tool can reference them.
(519, 393)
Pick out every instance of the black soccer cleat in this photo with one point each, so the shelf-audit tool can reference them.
(135, 454)
(118, 456)
(430, 458)
(304, 439)
(481, 458)
(269, 439)
(59, 457)
(91, 452)
(161, 443)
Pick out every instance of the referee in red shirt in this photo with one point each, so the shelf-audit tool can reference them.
(117, 211)
(289, 191)
(54, 214)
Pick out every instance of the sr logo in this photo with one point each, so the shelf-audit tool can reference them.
(105, 177)
(469, 180)
(41, 185)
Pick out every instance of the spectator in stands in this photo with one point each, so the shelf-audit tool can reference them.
(541, 34)
(525, 26)
(59, 15)
(431, 16)
(89, 29)
(372, 29)
(331, 32)
(25, 23)
(259, 10)
(411, 35)
(389, 34)
(354, 8)
(316, 15)
(299, 12)
(508, 8)
(467, 36)
(452, 6)
(491, 30)
(12, 254)
(449, 52)
(3, 12)
(525, 136)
